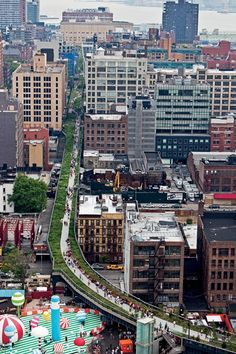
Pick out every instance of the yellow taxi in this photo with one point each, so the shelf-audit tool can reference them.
(115, 267)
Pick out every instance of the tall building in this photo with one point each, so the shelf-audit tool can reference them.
(1, 64)
(106, 133)
(217, 257)
(11, 132)
(141, 126)
(154, 256)
(182, 117)
(32, 11)
(101, 227)
(12, 13)
(82, 15)
(41, 87)
(182, 18)
(111, 77)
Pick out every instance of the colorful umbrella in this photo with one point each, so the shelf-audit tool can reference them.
(79, 342)
(81, 316)
(11, 320)
(46, 315)
(64, 323)
(39, 332)
(34, 322)
(18, 300)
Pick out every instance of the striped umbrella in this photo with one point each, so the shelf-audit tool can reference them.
(11, 320)
(18, 300)
(36, 351)
(64, 323)
(34, 322)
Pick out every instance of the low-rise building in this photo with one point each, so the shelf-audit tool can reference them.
(93, 159)
(106, 133)
(36, 150)
(223, 132)
(213, 172)
(217, 256)
(154, 256)
(7, 181)
(101, 227)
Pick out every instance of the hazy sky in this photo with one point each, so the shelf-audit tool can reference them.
(135, 14)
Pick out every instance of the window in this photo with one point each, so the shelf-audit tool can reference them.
(223, 252)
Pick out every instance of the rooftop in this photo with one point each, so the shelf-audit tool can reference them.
(52, 68)
(105, 116)
(190, 232)
(155, 227)
(93, 205)
(219, 226)
(198, 156)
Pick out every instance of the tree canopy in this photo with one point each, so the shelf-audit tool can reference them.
(29, 195)
(17, 262)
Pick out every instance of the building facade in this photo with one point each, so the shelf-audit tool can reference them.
(182, 117)
(76, 33)
(217, 175)
(181, 18)
(41, 87)
(141, 126)
(1, 64)
(82, 15)
(154, 257)
(111, 77)
(217, 257)
(101, 228)
(223, 133)
(13, 13)
(106, 133)
(32, 11)
(11, 132)
(36, 148)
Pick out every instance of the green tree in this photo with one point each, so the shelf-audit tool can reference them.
(29, 195)
(16, 262)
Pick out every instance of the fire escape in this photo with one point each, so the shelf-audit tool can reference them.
(159, 266)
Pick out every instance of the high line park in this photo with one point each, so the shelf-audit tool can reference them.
(70, 265)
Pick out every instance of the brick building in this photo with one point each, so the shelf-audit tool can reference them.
(154, 257)
(106, 133)
(101, 228)
(217, 256)
(220, 57)
(222, 130)
(36, 147)
(213, 172)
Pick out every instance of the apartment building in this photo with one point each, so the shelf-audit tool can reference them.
(111, 77)
(101, 228)
(76, 33)
(182, 117)
(41, 87)
(217, 257)
(106, 133)
(223, 133)
(11, 132)
(154, 257)
(13, 13)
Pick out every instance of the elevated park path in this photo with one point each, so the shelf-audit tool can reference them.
(69, 262)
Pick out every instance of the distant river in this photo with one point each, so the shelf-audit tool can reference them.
(137, 14)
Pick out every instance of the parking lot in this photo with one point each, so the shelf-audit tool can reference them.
(116, 277)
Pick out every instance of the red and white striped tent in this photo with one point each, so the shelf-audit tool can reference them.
(58, 348)
(11, 320)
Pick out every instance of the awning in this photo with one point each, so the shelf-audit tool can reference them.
(213, 318)
(225, 196)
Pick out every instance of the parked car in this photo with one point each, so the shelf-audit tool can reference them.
(97, 266)
(214, 206)
(115, 267)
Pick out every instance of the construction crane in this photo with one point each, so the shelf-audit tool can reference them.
(116, 185)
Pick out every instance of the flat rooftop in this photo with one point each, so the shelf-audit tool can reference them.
(114, 117)
(190, 232)
(219, 225)
(92, 205)
(155, 227)
(50, 69)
